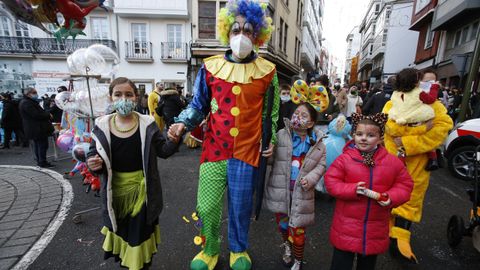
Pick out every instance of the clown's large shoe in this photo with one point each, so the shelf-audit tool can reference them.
(204, 262)
(400, 240)
(240, 261)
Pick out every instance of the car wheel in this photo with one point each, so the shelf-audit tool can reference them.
(461, 162)
(455, 231)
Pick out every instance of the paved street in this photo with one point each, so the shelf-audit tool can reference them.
(78, 246)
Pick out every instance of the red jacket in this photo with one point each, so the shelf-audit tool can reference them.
(360, 224)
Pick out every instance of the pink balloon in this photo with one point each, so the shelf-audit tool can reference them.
(65, 142)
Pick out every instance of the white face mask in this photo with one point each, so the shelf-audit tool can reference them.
(241, 46)
(425, 86)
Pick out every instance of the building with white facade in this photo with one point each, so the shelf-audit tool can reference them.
(367, 30)
(391, 36)
(312, 29)
(353, 48)
(151, 37)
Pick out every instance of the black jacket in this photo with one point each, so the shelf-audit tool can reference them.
(154, 145)
(172, 107)
(36, 121)
(286, 111)
(333, 109)
(11, 115)
(376, 102)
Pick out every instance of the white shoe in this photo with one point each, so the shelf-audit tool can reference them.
(287, 254)
(297, 265)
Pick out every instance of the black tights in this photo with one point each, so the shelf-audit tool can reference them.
(343, 260)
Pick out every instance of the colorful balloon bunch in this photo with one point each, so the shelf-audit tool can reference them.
(41, 12)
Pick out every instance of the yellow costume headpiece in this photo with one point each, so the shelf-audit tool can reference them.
(317, 95)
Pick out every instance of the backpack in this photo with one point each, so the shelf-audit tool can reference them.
(160, 105)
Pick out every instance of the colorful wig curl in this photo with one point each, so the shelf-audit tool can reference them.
(253, 12)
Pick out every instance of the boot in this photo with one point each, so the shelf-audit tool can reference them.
(240, 261)
(400, 240)
(287, 254)
(204, 262)
(432, 165)
(297, 265)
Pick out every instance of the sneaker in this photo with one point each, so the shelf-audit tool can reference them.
(297, 265)
(432, 165)
(287, 254)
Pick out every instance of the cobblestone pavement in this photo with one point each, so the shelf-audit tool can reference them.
(33, 204)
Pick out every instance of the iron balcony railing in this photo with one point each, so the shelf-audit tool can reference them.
(141, 50)
(47, 46)
(174, 51)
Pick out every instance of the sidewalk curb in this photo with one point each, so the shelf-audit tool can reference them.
(54, 225)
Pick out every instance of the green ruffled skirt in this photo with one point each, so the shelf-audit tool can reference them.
(135, 241)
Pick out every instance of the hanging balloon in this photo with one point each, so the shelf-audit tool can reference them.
(22, 10)
(62, 99)
(96, 58)
(65, 141)
(45, 11)
(79, 151)
(74, 16)
(73, 30)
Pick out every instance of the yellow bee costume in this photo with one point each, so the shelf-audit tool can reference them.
(417, 142)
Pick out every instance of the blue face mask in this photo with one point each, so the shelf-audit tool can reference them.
(35, 97)
(124, 107)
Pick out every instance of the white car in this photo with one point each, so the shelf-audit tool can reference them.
(460, 148)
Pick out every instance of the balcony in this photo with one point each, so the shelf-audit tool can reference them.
(453, 13)
(46, 47)
(174, 52)
(138, 51)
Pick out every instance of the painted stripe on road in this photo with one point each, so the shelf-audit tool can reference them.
(52, 228)
(449, 191)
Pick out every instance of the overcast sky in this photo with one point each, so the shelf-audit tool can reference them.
(340, 18)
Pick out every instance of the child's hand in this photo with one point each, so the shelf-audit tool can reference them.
(95, 163)
(304, 184)
(361, 188)
(269, 152)
(384, 200)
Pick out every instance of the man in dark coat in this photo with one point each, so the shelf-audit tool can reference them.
(376, 102)
(172, 107)
(323, 119)
(37, 125)
(11, 121)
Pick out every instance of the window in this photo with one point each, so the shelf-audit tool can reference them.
(269, 13)
(100, 28)
(299, 50)
(206, 19)
(296, 48)
(280, 39)
(286, 2)
(301, 14)
(222, 4)
(4, 26)
(298, 12)
(377, 8)
(456, 40)
(21, 30)
(285, 38)
(465, 32)
(139, 35)
(174, 38)
(474, 31)
(429, 37)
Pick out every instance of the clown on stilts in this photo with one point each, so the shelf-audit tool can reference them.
(233, 89)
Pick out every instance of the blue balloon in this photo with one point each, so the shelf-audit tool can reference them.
(338, 134)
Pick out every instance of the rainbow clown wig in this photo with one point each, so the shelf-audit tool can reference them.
(254, 13)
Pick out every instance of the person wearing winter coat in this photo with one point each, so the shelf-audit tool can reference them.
(124, 153)
(376, 103)
(11, 121)
(172, 107)
(354, 101)
(298, 164)
(367, 183)
(37, 125)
